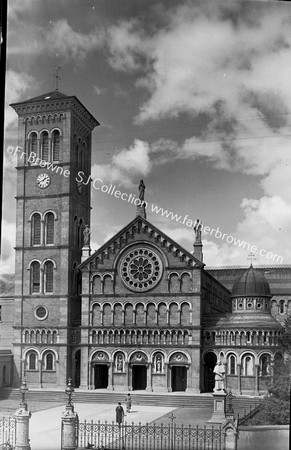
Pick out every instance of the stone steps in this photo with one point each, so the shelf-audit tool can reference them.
(168, 399)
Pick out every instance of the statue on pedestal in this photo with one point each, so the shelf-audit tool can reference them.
(86, 234)
(141, 189)
(219, 371)
(197, 229)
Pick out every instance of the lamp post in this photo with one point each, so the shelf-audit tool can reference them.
(23, 389)
(22, 416)
(69, 422)
(69, 392)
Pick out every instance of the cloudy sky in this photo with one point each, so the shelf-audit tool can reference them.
(193, 96)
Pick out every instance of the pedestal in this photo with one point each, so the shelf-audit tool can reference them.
(69, 429)
(22, 417)
(86, 252)
(219, 408)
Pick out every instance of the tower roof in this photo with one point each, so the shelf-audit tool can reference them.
(49, 96)
(251, 283)
(54, 100)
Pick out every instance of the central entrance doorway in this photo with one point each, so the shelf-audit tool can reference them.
(100, 376)
(179, 378)
(139, 377)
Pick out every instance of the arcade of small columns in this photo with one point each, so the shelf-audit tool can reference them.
(241, 337)
(141, 337)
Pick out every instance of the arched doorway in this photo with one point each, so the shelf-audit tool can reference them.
(209, 376)
(139, 368)
(179, 365)
(139, 377)
(100, 376)
(100, 366)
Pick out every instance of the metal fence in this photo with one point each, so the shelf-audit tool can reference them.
(7, 433)
(105, 436)
(249, 413)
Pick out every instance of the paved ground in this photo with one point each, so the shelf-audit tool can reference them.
(45, 421)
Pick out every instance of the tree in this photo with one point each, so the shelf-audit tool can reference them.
(275, 407)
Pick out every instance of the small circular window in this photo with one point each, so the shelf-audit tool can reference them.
(250, 305)
(240, 305)
(41, 313)
(259, 305)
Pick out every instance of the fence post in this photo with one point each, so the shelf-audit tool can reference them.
(229, 433)
(22, 416)
(69, 423)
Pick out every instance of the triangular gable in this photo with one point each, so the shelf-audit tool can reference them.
(129, 230)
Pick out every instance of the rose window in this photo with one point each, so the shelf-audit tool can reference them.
(141, 269)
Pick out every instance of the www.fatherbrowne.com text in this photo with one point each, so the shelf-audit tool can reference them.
(97, 184)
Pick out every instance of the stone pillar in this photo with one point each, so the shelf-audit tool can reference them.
(126, 369)
(238, 378)
(86, 252)
(257, 367)
(219, 408)
(229, 431)
(149, 377)
(168, 369)
(110, 377)
(69, 429)
(22, 416)
(129, 377)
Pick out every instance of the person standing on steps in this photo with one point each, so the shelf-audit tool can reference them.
(128, 403)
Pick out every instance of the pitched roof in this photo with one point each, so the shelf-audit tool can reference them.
(235, 321)
(135, 225)
(53, 95)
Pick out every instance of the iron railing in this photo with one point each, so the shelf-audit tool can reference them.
(249, 413)
(7, 433)
(105, 436)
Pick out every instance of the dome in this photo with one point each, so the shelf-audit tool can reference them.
(251, 283)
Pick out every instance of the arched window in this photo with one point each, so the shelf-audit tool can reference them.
(265, 365)
(36, 229)
(231, 365)
(248, 366)
(56, 142)
(49, 228)
(49, 276)
(49, 361)
(32, 361)
(35, 277)
(33, 144)
(44, 146)
(282, 307)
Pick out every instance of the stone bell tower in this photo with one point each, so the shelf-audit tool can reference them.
(52, 209)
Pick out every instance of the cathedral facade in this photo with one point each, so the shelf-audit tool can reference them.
(141, 313)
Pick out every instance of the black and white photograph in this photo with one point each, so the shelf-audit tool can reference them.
(145, 266)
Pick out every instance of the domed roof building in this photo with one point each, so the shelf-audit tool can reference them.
(247, 340)
(252, 282)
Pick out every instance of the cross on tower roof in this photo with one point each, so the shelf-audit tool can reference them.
(57, 77)
(251, 257)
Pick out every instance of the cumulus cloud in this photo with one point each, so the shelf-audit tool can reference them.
(127, 46)
(233, 66)
(70, 44)
(126, 165)
(7, 258)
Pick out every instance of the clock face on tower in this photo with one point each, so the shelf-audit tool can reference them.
(43, 180)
